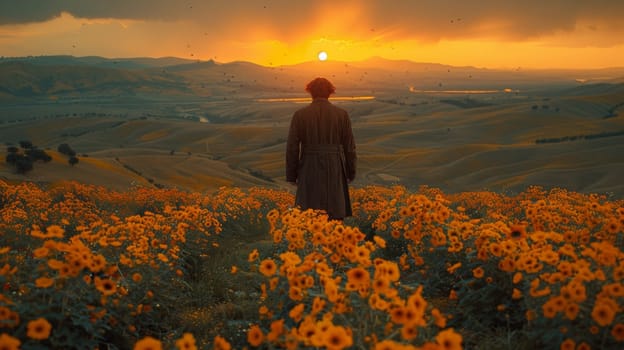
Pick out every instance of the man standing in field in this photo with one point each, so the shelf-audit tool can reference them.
(320, 153)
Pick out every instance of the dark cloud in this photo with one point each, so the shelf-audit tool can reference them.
(525, 19)
(428, 20)
(27, 11)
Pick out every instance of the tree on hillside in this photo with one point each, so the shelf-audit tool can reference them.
(12, 157)
(35, 154)
(23, 158)
(25, 144)
(23, 164)
(66, 150)
(73, 160)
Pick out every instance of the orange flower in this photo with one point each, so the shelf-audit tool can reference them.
(439, 319)
(358, 276)
(44, 282)
(409, 332)
(8, 342)
(105, 285)
(297, 312)
(387, 345)
(379, 241)
(318, 304)
(97, 263)
(39, 329)
(614, 289)
(613, 226)
(55, 231)
(253, 255)
(255, 337)
(517, 231)
(268, 267)
(137, 277)
(41, 252)
(417, 302)
(220, 344)
(604, 311)
(148, 343)
(571, 310)
(495, 249)
(448, 339)
(478, 272)
(187, 342)
(277, 329)
(568, 344)
(337, 338)
(397, 314)
(618, 332)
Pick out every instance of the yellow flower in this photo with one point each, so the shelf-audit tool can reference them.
(148, 343)
(38, 329)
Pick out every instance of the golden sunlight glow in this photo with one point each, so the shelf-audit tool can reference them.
(348, 39)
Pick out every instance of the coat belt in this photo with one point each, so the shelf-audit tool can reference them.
(322, 148)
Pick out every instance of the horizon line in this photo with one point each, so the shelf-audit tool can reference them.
(390, 60)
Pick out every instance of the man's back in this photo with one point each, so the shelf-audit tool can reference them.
(320, 153)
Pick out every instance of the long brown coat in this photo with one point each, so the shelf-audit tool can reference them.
(320, 158)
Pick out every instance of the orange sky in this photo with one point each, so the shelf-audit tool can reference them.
(486, 33)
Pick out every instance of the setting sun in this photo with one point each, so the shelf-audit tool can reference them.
(322, 56)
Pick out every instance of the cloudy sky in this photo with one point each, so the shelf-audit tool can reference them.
(484, 33)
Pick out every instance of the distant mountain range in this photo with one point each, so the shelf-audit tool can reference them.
(42, 77)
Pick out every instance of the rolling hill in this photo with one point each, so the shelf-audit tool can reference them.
(201, 125)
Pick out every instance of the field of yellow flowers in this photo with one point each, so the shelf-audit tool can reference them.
(85, 267)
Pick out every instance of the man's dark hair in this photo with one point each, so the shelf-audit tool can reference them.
(320, 87)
